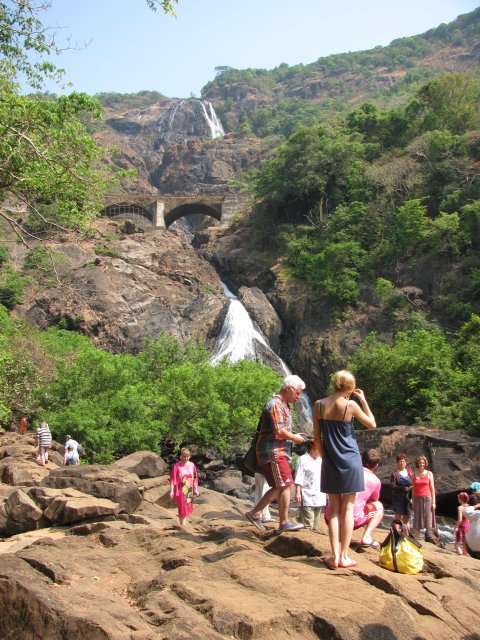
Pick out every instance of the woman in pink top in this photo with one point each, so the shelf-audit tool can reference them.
(423, 494)
(184, 485)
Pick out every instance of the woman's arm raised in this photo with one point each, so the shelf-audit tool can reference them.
(363, 414)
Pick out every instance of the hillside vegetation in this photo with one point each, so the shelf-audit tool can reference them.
(382, 208)
(277, 101)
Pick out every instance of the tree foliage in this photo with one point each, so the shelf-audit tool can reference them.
(168, 393)
(49, 164)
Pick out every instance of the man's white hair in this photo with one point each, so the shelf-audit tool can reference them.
(293, 381)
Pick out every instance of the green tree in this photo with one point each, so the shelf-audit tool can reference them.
(451, 102)
(404, 379)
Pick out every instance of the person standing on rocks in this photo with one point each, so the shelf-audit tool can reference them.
(273, 460)
(423, 493)
(184, 485)
(70, 442)
(401, 485)
(307, 487)
(342, 470)
(23, 426)
(462, 525)
(44, 442)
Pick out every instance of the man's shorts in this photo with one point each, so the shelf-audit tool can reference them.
(369, 510)
(277, 473)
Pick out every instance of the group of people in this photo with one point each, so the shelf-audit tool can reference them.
(44, 443)
(333, 467)
(334, 459)
(413, 491)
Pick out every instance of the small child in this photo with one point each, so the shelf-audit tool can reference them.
(184, 485)
(462, 525)
(307, 487)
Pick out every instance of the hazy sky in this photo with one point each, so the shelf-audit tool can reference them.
(132, 48)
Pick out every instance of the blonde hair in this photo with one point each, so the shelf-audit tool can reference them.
(343, 381)
(185, 451)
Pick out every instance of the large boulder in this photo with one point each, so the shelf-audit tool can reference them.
(69, 506)
(21, 512)
(143, 581)
(100, 481)
(145, 464)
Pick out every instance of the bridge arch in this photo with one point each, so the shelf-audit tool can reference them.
(125, 209)
(191, 208)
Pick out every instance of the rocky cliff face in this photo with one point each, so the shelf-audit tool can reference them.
(310, 343)
(178, 146)
(149, 284)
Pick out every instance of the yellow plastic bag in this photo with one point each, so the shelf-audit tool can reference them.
(399, 552)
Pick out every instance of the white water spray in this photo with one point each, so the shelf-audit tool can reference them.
(238, 340)
(238, 335)
(213, 120)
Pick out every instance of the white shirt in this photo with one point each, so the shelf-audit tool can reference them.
(71, 443)
(473, 534)
(307, 475)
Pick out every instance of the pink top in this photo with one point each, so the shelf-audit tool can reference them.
(371, 493)
(422, 485)
(179, 471)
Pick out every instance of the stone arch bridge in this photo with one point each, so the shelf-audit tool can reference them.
(155, 211)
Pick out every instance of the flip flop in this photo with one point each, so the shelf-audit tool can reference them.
(330, 564)
(374, 545)
(257, 522)
(349, 565)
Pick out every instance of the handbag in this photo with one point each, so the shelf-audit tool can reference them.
(432, 535)
(401, 552)
(249, 462)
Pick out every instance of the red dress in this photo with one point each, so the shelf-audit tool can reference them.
(184, 479)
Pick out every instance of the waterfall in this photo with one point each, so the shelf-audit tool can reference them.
(238, 336)
(212, 119)
(165, 124)
(239, 340)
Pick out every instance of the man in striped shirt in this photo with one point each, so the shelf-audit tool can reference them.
(272, 457)
(44, 442)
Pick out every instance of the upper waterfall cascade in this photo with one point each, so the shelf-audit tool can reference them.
(212, 119)
(189, 118)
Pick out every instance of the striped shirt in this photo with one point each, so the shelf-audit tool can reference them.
(275, 416)
(44, 436)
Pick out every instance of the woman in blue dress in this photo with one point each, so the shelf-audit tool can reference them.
(342, 470)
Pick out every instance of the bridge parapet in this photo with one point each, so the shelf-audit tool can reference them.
(162, 211)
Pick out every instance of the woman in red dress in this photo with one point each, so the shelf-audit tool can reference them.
(184, 485)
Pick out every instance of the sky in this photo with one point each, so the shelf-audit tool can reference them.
(122, 46)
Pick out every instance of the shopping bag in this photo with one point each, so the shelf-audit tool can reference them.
(401, 552)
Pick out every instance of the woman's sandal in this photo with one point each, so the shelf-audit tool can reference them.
(374, 544)
(348, 565)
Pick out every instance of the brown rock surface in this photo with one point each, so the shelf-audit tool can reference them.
(219, 578)
(156, 284)
(145, 464)
(140, 576)
(114, 484)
